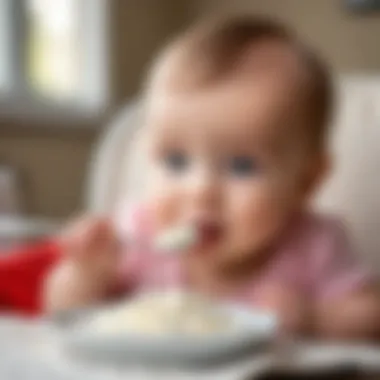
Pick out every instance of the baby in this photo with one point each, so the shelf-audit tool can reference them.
(237, 116)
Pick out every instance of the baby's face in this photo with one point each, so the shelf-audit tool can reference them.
(232, 159)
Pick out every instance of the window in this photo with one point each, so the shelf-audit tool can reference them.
(53, 56)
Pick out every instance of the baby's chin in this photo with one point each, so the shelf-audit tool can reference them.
(231, 259)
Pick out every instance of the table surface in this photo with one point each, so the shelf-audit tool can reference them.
(29, 350)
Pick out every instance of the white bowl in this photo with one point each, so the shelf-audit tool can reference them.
(255, 332)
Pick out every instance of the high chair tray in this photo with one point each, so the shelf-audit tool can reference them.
(255, 333)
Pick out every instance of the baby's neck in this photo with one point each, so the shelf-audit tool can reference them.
(226, 278)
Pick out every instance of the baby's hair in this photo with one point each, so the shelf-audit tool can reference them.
(215, 48)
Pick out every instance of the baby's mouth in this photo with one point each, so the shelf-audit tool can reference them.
(210, 234)
(196, 236)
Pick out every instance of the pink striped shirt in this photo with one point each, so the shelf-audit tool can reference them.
(314, 256)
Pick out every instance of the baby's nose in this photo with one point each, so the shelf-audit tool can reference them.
(204, 189)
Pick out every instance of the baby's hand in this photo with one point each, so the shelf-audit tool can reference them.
(91, 244)
(88, 270)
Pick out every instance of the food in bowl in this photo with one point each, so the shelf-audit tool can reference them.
(164, 313)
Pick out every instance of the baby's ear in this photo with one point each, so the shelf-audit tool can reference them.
(320, 169)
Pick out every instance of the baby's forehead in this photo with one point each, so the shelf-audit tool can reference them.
(173, 73)
(262, 100)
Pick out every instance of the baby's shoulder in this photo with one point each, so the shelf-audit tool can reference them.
(315, 242)
(324, 237)
(315, 226)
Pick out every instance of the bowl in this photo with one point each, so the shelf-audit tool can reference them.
(254, 332)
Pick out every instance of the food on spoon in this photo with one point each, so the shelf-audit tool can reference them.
(176, 239)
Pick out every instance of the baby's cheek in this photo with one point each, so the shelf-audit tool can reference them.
(256, 216)
(162, 207)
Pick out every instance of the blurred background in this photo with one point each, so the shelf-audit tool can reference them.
(67, 65)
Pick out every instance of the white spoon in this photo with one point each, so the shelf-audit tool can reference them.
(176, 240)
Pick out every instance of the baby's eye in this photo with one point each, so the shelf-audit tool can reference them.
(176, 161)
(243, 166)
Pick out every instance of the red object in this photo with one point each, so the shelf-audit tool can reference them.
(22, 273)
